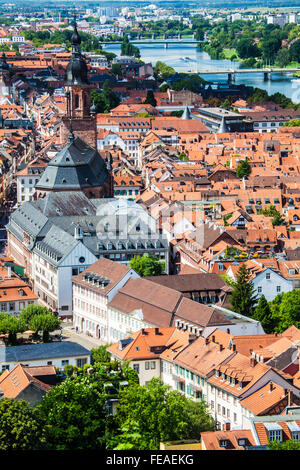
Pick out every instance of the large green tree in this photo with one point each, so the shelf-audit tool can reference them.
(247, 48)
(263, 315)
(243, 169)
(285, 310)
(129, 49)
(45, 322)
(158, 414)
(20, 427)
(74, 415)
(148, 265)
(100, 354)
(295, 51)
(243, 298)
(150, 98)
(32, 310)
(11, 325)
(287, 445)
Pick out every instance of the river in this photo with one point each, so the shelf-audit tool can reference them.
(198, 60)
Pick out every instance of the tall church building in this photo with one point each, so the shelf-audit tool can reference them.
(78, 101)
(78, 166)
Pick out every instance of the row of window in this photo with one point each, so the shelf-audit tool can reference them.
(124, 192)
(30, 181)
(147, 365)
(13, 306)
(65, 362)
(259, 289)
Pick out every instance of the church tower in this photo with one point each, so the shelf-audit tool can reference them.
(77, 98)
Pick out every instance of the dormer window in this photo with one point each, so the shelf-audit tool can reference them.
(21, 292)
(241, 442)
(275, 435)
(224, 443)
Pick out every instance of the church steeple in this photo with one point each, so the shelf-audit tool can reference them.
(78, 107)
(77, 71)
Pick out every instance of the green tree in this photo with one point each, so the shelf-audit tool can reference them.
(150, 98)
(270, 45)
(116, 70)
(287, 445)
(20, 427)
(100, 354)
(247, 48)
(243, 169)
(285, 310)
(162, 71)
(183, 157)
(295, 51)
(129, 49)
(263, 315)
(74, 415)
(147, 265)
(158, 414)
(243, 298)
(111, 100)
(11, 326)
(45, 322)
(292, 123)
(283, 57)
(98, 100)
(271, 211)
(32, 310)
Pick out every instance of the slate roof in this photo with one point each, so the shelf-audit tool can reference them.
(76, 166)
(36, 352)
(54, 218)
(56, 245)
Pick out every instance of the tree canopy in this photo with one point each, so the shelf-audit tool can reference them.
(20, 428)
(243, 298)
(106, 99)
(263, 315)
(243, 169)
(155, 413)
(285, 310)
(147, 265)
(73, 414)
(150, 98)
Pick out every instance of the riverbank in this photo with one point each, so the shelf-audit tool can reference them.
(199, 60)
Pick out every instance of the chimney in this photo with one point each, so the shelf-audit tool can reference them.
(213, 338)
(9, 272)
(252, 362)
(271, 387)
(156, 331)
(220, 347)
(192, 337)
(234, 347)
(228, 331)
(143, 332)
(206, 341)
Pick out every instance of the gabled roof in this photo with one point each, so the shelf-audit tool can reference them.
(149, 343)
(106, 268)
(15, 381)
